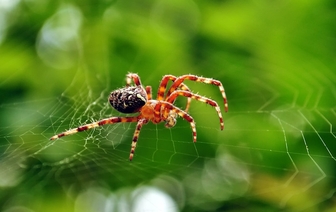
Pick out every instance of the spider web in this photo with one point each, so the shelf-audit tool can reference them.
(277, 150)
(269, 149)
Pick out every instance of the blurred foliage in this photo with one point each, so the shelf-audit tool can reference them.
(276, 60)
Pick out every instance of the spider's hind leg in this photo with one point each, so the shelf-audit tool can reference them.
(149, 92)
(112, 120)
(141, 122)
(134, 77)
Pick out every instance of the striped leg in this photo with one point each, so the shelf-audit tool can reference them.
(149, 92)
(197, 97)
(166, 106)
(163, 87)
(177, 83)
(111, 120)
(134, 77)
(137, 82)
(136, 136)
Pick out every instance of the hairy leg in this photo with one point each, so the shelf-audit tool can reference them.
(195, 78)
(141, 122)
(112, 120)
(166, 106)
(134, 77)
(149, 92)
(163, 86)
(197, 97)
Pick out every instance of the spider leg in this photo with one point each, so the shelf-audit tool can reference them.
(163, 87)
(149, 92)
(141, 122)
(188, 105)
(111, 120)
(166, 106)
(134, 77)
(197, 97)
(177, 83)
(157, 111)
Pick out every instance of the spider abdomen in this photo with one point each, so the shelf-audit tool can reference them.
(128, 99)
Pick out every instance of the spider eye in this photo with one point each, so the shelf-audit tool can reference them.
(129, 99)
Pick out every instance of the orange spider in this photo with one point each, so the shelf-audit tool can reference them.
(137, 99)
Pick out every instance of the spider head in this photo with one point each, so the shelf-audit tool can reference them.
(129, 99)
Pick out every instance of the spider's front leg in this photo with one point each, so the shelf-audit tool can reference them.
(163, 87)
(169, 113)
(200, 98)
(179, 81)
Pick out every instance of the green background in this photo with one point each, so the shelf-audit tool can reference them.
(276, 59)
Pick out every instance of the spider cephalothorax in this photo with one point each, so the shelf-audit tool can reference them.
(133, 99)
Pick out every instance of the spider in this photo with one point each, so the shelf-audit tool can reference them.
(138, 99)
